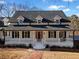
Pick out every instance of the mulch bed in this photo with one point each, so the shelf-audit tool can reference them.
(65, 49)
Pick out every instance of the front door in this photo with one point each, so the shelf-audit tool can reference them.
(39, 35)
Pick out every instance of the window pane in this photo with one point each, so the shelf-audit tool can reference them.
(62, 34)
(28, 34)
(52, 34)
(25, 34)
(16, 34)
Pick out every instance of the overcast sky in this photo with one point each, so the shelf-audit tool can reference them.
(68, 6)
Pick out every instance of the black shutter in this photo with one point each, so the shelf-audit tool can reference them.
(65, 34)
(54, 34)
(48, 34)
(28, 34)
(18, 34)
(12, 34)
(22, 34)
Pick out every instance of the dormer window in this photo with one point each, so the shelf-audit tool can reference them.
(39, 19)
(57, 19)
(20, 19)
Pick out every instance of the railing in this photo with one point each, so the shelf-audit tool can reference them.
(39, 23)
(35, 40)
(18, 41)
(58, 39)
(66, 43)
(50, 41)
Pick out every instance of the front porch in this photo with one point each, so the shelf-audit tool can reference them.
(42, 37)
(50, 42)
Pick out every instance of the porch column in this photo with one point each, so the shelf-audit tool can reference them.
(45, 35)
(57, 34)
(32, 35)
(7, 33)
(20, 34)
(10, 34)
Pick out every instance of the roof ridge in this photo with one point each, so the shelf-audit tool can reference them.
(39, 11)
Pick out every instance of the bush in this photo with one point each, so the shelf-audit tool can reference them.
(30, 45)
(47, 46)
(17, 46)
(1, 41)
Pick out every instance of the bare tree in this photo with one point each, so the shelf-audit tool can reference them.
(74, 21)
(7, 11)
(22, 7)
(1, 6)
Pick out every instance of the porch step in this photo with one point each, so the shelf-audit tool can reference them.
(39, 45)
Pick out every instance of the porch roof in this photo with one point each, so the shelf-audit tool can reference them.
(36, 28)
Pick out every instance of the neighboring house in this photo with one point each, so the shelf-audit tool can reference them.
(6, 21)
(38, 28)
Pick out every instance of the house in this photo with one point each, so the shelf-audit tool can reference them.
(38, 28)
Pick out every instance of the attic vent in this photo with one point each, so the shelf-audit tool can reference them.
(57, 19)
(39, 19)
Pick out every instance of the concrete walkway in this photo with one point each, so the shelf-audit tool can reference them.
(39, 45)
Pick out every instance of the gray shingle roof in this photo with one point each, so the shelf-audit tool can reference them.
(33, 14)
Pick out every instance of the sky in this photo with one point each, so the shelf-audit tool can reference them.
(70, 7)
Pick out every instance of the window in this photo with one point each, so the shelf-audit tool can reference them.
(57, 19)
(52, 34)
(15, 34)
(62, 35)
(25, 34)
(20, 20)
(39, 19)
